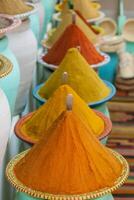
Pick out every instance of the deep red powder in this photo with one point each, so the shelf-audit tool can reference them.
(73, 37)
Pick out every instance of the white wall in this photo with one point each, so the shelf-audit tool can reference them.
(111, 7)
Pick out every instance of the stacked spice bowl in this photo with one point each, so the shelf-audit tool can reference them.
(79, 34)
(68, 159)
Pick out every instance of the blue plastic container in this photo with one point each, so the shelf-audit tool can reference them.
(34, 24)
(108, 71)
(130, 47)
(92, 105)
(103, 108)
(100, 105)
(46, 72)
(22, 196)
(49, 10)
(10, 83)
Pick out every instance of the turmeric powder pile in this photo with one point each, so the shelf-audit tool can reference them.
(73, 37)
(35, 127)
(66, 21)
(13, 7)
(81, 77)
(89, 25)
(88, 9)
(68, 161)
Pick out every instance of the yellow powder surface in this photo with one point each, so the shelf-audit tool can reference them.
(45, 116)
(86, 8)
(64, 8)
(13, 7)
(69, 160)
(66, 21)
(81, 77)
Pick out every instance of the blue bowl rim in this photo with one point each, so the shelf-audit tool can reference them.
(94, 104)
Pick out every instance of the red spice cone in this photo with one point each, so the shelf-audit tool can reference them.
(71, 38)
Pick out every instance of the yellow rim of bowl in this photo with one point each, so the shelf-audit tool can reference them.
(5, 66)
(37, 194)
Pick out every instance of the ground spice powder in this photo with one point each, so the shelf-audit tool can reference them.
(86, 8)
(81, 77)
(45, 116)
(13, 7)
(66, 21)
(69, 160)
(73, 37)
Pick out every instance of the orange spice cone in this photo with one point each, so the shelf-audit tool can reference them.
(34, 125)
(69, 163)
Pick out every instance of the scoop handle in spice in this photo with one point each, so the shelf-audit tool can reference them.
(65, 78)
(73, 18)
(69, 102)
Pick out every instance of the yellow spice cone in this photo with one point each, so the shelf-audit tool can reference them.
(86, 8)
(44, 117)
(65, 8)
(81, 77)
(14, 7)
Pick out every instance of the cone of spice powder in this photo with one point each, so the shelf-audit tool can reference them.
(65, 9)
(69, 163)
(73, 37)
(96, 29)
(81, 77)
(67, 20)
(13, 7)
(33, 126)
(88, 9)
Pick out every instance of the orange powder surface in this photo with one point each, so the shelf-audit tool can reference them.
(73, 37)
(44, 117)
(66, 21)
(81, 77)
(69, 160)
